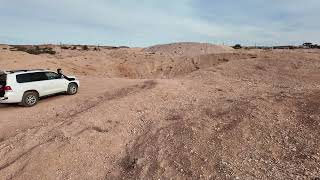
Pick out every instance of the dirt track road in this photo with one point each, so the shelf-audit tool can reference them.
(15, 119)
(56, 119)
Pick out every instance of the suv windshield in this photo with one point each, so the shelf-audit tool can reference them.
(52, 75)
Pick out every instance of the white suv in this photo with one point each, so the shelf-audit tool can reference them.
(27, 86)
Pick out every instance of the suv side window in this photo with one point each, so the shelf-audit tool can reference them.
(31, 77)
(3, 79)
(52, 75)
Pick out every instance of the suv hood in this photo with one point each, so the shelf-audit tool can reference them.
(72, 77)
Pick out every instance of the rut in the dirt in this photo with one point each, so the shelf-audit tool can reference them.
(50, 132)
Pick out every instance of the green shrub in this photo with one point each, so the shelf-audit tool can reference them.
(237, 46)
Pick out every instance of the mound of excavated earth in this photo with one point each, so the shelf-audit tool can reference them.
(141, 115)
(188, 49)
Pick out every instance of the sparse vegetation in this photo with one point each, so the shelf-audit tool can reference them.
(237, 46)
(35, 50)
(85, 48)
(88, 48)
(65, 47)
(124, 47)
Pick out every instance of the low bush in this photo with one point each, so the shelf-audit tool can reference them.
(65, 47)
(237, 46)
(35, 50)
(85, 48)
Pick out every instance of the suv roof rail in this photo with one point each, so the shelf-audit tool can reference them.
(25, 70)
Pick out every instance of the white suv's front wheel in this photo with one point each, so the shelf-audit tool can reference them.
(72, 89)
(30, 99)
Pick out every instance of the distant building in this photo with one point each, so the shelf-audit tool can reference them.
(307, 45)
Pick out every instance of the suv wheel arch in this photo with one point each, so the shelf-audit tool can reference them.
(30, 98)
(72, 88)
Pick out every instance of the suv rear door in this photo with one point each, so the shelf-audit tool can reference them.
(35, 81)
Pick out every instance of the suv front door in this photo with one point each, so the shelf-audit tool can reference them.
(58, 83)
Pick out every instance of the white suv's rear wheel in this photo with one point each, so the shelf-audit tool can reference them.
(30, 99)
(72, 89)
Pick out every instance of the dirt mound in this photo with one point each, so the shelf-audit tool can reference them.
(171, 67)
(188, 49)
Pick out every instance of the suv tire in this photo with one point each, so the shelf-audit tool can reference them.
(72, 89)
(30, 99)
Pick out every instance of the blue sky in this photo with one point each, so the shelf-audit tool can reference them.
(148, 22)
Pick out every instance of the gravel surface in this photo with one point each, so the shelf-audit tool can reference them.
(228, 115)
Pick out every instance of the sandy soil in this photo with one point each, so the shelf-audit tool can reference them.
(156, 114)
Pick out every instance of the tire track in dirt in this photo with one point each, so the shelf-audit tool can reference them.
(117, 94)
(48, 130)
(20, 171)
(163, 146)
(107, 96)
(25, 153)
(176, 144)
